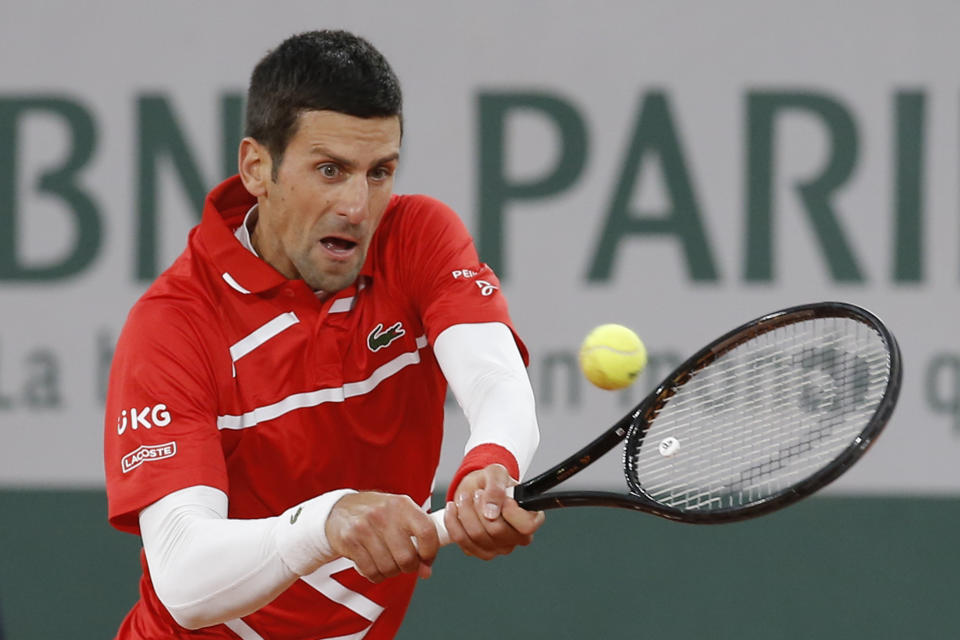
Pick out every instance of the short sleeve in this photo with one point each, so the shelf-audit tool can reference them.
(160, 431)
(448, 282)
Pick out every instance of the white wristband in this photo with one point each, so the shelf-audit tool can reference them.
(301, 533)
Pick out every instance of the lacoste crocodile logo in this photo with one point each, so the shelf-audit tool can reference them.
(380, 337)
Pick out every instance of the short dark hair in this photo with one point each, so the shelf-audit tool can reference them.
(328, 70)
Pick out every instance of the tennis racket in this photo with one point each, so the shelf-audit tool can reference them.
(760, 418)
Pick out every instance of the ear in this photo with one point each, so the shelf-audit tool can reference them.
(255, 167)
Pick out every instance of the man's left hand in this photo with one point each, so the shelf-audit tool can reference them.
(484, 520)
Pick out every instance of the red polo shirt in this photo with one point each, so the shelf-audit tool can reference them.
(229, 375)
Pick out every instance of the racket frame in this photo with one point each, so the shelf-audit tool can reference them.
(532, 493)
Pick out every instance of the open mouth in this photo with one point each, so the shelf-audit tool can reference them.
(338, 246)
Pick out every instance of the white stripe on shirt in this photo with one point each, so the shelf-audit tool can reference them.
(320, 396)
(263, 333)
(322, 581)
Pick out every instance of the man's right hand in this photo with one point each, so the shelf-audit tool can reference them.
(383, 534)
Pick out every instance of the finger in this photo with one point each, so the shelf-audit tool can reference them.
(459, 535)
(494, 492)
(501, 532)
(498, 526)
(467, 531)
(402, 552)
(409, 538)
(365, 564)
(385, 561)
(523, 521)
(451, 522)
(425, 538)
(481, 529)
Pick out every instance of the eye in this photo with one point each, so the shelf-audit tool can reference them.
(329, 170)
(381, 173)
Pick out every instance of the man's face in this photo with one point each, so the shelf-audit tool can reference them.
(332, 187)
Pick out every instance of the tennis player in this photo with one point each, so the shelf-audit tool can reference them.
(275, 409)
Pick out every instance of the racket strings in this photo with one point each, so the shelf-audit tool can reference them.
(764, 416)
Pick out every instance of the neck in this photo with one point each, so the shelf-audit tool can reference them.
(267, 246)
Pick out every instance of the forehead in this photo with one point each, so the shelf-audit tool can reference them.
(336, 132)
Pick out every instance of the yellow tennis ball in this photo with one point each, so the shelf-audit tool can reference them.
(612, 356)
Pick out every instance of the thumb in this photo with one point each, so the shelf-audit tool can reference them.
(494, 493)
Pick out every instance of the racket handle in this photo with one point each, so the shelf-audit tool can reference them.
(437, 517)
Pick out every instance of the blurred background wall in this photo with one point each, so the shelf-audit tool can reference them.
(679, 167)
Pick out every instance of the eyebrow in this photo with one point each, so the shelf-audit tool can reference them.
(318, 150)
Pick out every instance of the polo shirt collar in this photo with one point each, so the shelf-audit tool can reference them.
(224, 210)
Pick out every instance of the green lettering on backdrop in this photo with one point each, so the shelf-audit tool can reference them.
(566, 363)
(231, 123)
(496, 190)
(816, 194)
(655, 134)
(42, 386)
(6, 402)
(162, 138)
(104, 344)
(60, 182)
(908, 213)
(942, 385)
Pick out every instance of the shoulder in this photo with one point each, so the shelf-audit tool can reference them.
(418, 202)
(418, 231)
(169, 343)
(177, 294)
(190, 286)
(178, 311)
(420, 208)
(421, 218)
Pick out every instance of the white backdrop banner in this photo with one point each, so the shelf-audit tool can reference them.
(679, 167)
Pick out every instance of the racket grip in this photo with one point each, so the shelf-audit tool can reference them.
(437, 517)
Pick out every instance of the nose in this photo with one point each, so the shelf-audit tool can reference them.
(353, 200)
